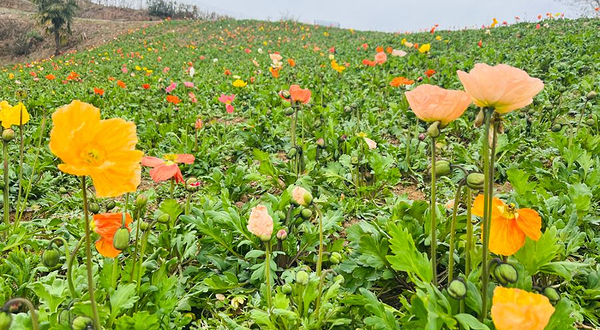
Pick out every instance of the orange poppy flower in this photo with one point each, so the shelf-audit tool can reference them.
(389, 50)
(167, 168)
(432, 103)
(430, 73)
(121, 84)
(515, 309)
(72, 76)
(145, 86)
(379, 49)
(50, 76)
(274, 72)
(502, 87)
(368, 62)
(299, 95)
(98, 91)
(173, 99)
(227, 72)
(509, 226)
(102, 149)
(399, 81)
(106, 225)
(291, 62)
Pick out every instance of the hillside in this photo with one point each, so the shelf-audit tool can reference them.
(243, 174)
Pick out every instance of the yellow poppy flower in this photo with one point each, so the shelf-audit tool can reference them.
(239, 83)
(424, 48)
(102, 149)
(16, 115)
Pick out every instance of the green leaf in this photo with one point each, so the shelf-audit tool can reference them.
(406, 257)
(535, 254)
(122, 298)
(519, 179)
(561, 318)
(581, 196)
(172, 208)
(139, 321)
(470, 322)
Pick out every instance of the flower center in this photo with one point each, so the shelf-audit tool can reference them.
(170, 159)
(92, 155)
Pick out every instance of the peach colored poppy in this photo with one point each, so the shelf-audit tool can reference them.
(298, 194)
(102, 149)
(368, 62)
(298, 94)
(380, 58)
(432, 103)
(167, 167)
(509, 225)
(515, 309)
(261, 223)
(502, 87)
(106, 225)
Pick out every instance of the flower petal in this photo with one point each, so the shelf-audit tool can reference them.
(530, 223)
(185, 159)
(165, 172)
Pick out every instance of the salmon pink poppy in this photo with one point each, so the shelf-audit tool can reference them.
(380, 58)
(368, 62)
(299, 95)
(432, 103)
(167, 167)
(261, 223)
(509, 226)
(171, 87)
(502, 87)
(106, 225)
(227, 99)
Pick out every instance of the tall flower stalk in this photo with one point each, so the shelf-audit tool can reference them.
(88, 256)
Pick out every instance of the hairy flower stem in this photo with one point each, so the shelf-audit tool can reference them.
(70, 267)
(6, 202)
(487, 201)
(34, 318)
(138, 218)
(139, 273)
(319, 259)
(432, 215)
(453, 233)
(21, 152)
(469, 243)
(69, 262)
(88, 253)
(268, 273)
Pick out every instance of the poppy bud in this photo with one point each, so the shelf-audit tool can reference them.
(8, 134)
(286, 289)
(288, 111)
(457, 289)
(164, 218)
(421, 137)
(281, 234)
(591, 95)
(321, 143)
(354, 160)
(505, 274)
(292, 153)
(590, 122)
(51, 257)
(82, 323)
(335, 258)
(121, 239)
(144, 225)
(476, 181)
(302, 277)
(347, 109)
(318, 123)
(285, 94)
(5, 320)
(479, 119)
(62, 190)
(433, 130)
(442, 167)
(141, 201)
(110, 205)
(339, 278)
(306, 214)
(556, 128)
(552, 294)
(94, 207)
(192, 184)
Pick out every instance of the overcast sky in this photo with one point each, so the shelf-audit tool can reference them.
(388, 15)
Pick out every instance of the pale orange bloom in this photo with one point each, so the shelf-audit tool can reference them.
(379, 49)
(399, 81)
(515, 309)
(380, 58)
(50, 76)
(106, 225)
(102, 149)
(291, 62)
(509, 226)
(261, 223)
(299, 95)
(502, 87)
(167, 167)
(432, 103)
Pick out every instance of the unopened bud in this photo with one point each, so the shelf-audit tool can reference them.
(8, 134)
(306, 214)
(321, 143)
(556, 128)
(552, 294)
(422, 137)
(164, 218)
(192, 184)
(479, 119)
(141, 201)
(286, 289)
(51, 257)
(457, 289)
(434, 129)
(285, 94)
(94, 207)
(288, 111)
(121, 239)
(281, 234)
(476, 181)
(335, 258)
(591, 95)
(110, 205)
(82, 323)
(302, 277)
(5, 320)
(442, 167)
(505, 274)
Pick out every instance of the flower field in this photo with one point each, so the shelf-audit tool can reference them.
(276, 175)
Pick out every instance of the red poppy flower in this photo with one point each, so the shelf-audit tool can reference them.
(106, 225)
(430, 73)
(167, 168)
(98, 91)
(145, 86)
(121, 84)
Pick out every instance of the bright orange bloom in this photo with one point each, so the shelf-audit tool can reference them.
(72, 76)
(167, 168)
(515, 309)
(368, 62)
(274, 72)
(502, 87)
(430, 73)
(291, 62)
(173, 99)
(102, 149)
(299, 95)
(432, 103)
(145, 86)
(50, 76)
(227, 72)
(121, 84)
(380, 58)
(98, 91)
(389, 50)
(399, 81)
(379, 49)
(509, 226)
(106, 225)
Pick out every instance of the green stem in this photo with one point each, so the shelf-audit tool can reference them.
(6, 202)
(469, 243)
(453, 233)
(68, 256)
(139, 273)
(268, 273)
(187, 203)
(172, 187)
(432, 214)
(70, 268)
(21, 148)
(34, 318)
(138, 219)
(485, 274)
(88, 252)
(320, 256)
(115, 274)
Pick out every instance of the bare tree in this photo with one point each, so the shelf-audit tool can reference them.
(584, 7)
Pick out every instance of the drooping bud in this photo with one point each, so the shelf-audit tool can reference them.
(121, 239)
(479, 118)
(590, 122)
(8, 134)
(5, 320)
(442, 167)
(321, 143)
(94, 207)
(144, 225)
(457, 289)
(82, 323)
(281, 234)
(286, 289)
(354, 160)
(476, 181)
(591, 95)
(292, 153)
(302, 277)
(164, 218)
(288, 111)
(110, 205)
(51, 257)
(141, 201)
(505, 274)
(434, 129)
(285, 94)
(335, 258)
(306, 214)
(556, 128)
(422, 137)
(552, 294)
